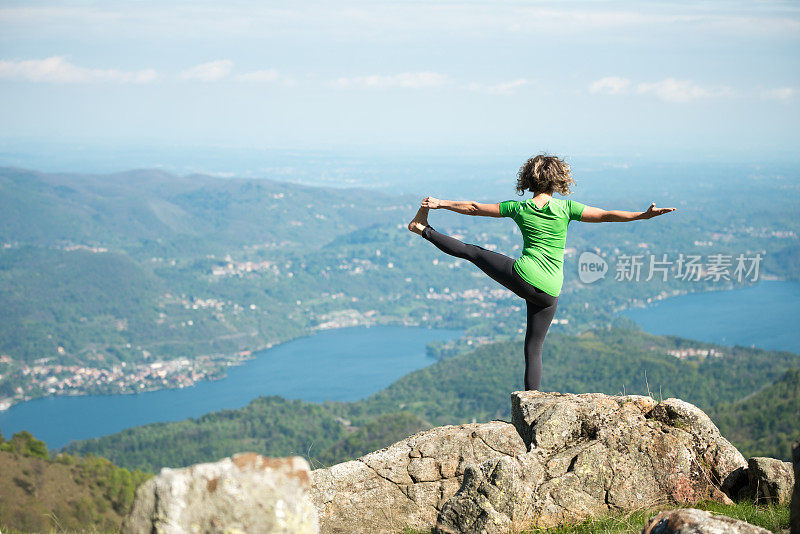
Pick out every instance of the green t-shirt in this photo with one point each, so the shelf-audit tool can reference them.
(544, 235)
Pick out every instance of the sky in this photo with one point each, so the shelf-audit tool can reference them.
(459, 77)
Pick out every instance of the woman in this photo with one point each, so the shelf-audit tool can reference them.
(537, 275)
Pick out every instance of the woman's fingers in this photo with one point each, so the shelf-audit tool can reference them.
(662, 211)
(654, 211)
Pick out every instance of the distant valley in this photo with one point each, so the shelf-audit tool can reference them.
(144, 280)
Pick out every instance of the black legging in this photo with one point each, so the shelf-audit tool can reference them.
(541, 305)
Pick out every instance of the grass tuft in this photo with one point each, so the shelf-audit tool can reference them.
(771, 517)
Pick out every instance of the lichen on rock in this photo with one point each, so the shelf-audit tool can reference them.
(244, 493)
(693, 521)
(407, 483)
(771, 480)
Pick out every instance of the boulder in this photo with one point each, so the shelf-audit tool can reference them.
(794, 507)
(771, 480)
(692, 521)
(592, 453)
(407, 483)
(244, 493)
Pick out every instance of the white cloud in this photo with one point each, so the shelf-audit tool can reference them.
(668, 89)
(418, 80)
(265, 76)
(503, 88)
(210, 71)
(410, 80)
(57, 69)
(673, 90)
(780, 93)
(611, 85)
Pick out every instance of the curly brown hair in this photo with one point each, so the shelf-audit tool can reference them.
(543, 174)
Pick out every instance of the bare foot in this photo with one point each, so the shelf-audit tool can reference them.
(419, 221)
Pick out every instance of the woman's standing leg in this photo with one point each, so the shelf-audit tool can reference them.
(539, 319)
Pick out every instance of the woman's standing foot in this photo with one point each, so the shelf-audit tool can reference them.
(419, 222)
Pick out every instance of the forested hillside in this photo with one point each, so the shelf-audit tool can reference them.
(767, 422)
(471, 386)
(43, 494)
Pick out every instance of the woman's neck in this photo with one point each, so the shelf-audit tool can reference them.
(542, 199)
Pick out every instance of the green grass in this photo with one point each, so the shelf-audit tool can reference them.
(771, 517)
(57, 530)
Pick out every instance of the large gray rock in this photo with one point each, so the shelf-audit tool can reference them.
(496, 496)
(592, 453)
(771, 480)
(407, 483)
(794, 507)
(693, 521)
(245, 493)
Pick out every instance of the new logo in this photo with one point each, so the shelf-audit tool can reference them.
(591, 267)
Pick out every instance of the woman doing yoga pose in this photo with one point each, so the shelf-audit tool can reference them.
(537, 275)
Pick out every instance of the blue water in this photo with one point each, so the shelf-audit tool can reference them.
(766, 315)
(344, 364)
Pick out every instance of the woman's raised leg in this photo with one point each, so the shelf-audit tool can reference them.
(498, 266)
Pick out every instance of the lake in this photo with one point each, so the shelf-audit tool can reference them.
(764, 315)
(343, 364)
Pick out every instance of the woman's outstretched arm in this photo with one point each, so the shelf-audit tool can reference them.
(597, 215)
(465, 207)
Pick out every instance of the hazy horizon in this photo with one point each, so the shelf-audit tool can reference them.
(669, 80)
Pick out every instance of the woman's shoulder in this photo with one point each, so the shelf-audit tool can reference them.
(560, 203)
(509, 208)
(567, 202)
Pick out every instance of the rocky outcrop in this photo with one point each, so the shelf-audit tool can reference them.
(771, 481)
(563, 457)
(406, 484)
(794, 507)
(692, 521)
(245, 493)
(592, 453)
